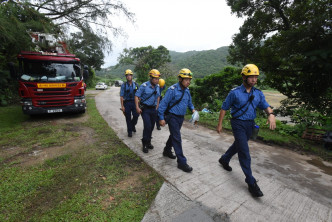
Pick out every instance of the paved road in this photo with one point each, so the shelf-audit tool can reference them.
(294, 190)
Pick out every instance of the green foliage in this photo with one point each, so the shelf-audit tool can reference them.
(304, 117)
(15, 20)
(88, 46)
(92, 80)
(201, 63)
(144, 59)
(213, 89)
(8, 89)
(291, 42)
(86, 16)
(286, 135)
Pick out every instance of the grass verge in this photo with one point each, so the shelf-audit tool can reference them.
(91, 175)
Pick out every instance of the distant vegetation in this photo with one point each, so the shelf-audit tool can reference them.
(201, 63)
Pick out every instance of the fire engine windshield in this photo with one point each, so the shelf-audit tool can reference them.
(46, 71)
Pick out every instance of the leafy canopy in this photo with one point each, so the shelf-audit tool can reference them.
(15, 21)
(87, 47)
(290, 41)
(144, 59)
(85, 15)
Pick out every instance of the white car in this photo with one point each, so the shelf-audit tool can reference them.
(101, 85)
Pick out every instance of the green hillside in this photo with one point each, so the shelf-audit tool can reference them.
(201, 63)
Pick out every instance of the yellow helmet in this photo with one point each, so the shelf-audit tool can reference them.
(250, 70)
(129, 72)
(154, 73)
(161, 83)
(185, 73)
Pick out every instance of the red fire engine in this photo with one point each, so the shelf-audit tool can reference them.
(50, 81)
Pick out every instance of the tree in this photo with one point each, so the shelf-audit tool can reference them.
(86, 45)
(290, 41)
(15, 21)
(213, 89)
(84, 15)
(145, 59)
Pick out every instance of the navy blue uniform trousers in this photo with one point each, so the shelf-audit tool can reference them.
(242, 130)
(131, 115)
(149, 116)
(174, 124)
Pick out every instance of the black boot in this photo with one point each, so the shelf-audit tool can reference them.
(186, 168)
(168, 153)
(225, 165)
(255, 190)
(149, 145)
(145, 149)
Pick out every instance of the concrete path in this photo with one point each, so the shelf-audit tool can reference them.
(294, 190)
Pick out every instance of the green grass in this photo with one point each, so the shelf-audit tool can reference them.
(11, 117)
(284, 135)
(88, 183)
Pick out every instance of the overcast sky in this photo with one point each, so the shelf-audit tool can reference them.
(179, 25)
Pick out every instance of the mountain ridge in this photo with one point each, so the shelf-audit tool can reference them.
(201, 63)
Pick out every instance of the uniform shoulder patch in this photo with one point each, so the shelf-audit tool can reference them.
(238, 87)
(172, 87)
(144, 84)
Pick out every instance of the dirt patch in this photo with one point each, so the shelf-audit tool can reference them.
(274, 98)
(133, 180)
(318, 163)
(39, 154)
(9, 152)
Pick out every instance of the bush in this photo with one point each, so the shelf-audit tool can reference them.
(303, 117)
(214, 88)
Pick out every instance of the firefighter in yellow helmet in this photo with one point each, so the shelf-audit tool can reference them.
(243, 101)
(172, 109)
(147, 102)
(127, 100)
(162, 87)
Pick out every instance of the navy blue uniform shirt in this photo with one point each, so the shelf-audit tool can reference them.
(144, 92)
(172, 95)
(128, 91)
(238, 97)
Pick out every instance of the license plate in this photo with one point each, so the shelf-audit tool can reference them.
(54, 111)
(51, 85)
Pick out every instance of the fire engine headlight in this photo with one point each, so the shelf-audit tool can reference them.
(79, 101)
(27, 103)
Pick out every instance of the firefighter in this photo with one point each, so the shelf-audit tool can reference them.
(162, 87)
(243, 101)
(127, 100)
(172, 109)
(147, 102)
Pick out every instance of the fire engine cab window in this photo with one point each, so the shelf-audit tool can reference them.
(50, 71)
